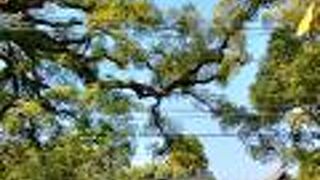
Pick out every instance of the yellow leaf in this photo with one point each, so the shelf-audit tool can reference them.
(305, 23)
(30, 108)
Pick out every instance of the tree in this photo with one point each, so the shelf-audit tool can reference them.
(70, 157)
(187, 156)
(285, 119)
(57, 104)
(186, 160)
(309, 165)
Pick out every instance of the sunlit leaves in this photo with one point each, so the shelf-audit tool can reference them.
(111, 103)
(70, 157)
(288, 77)
(187, 19)
(229, 21)
(116, 12)
(15, 119)
(298, 117)
(128, 51)
(230, 15)
(301, 15)
(91, 94)
(30, 108)
(12, 124)
(19, 162)
(231, 63)
(310, 169)
(272, 89)
(63, 92)
(305, 23)
(186, 156)
(186, 161)
(174, 65)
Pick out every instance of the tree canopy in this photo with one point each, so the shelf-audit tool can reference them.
(284, 121)
(63, 117)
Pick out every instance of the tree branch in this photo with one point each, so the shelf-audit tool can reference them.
(188, 79)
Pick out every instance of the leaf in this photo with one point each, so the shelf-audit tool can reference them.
(31, 108)
(305, 23)
(91, 94)
(63, 92)
(117, 12)
(12, 124)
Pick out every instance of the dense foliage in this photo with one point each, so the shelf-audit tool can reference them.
(284, 122)
(62, 117)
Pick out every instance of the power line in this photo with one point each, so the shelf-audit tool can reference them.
(200, 114)
(217, 135)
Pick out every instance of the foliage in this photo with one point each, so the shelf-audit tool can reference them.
(70, 157)
(186, 155)
(309, 165)
(285, 115)
(54, 91)
(61, 118)
(303, 16)
(304, 25)
(186, 160)
(288, 80)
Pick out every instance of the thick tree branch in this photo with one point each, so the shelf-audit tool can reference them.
(142, 90)
(189, 79)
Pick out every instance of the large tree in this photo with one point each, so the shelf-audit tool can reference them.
(58, 107)
(284, 121)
